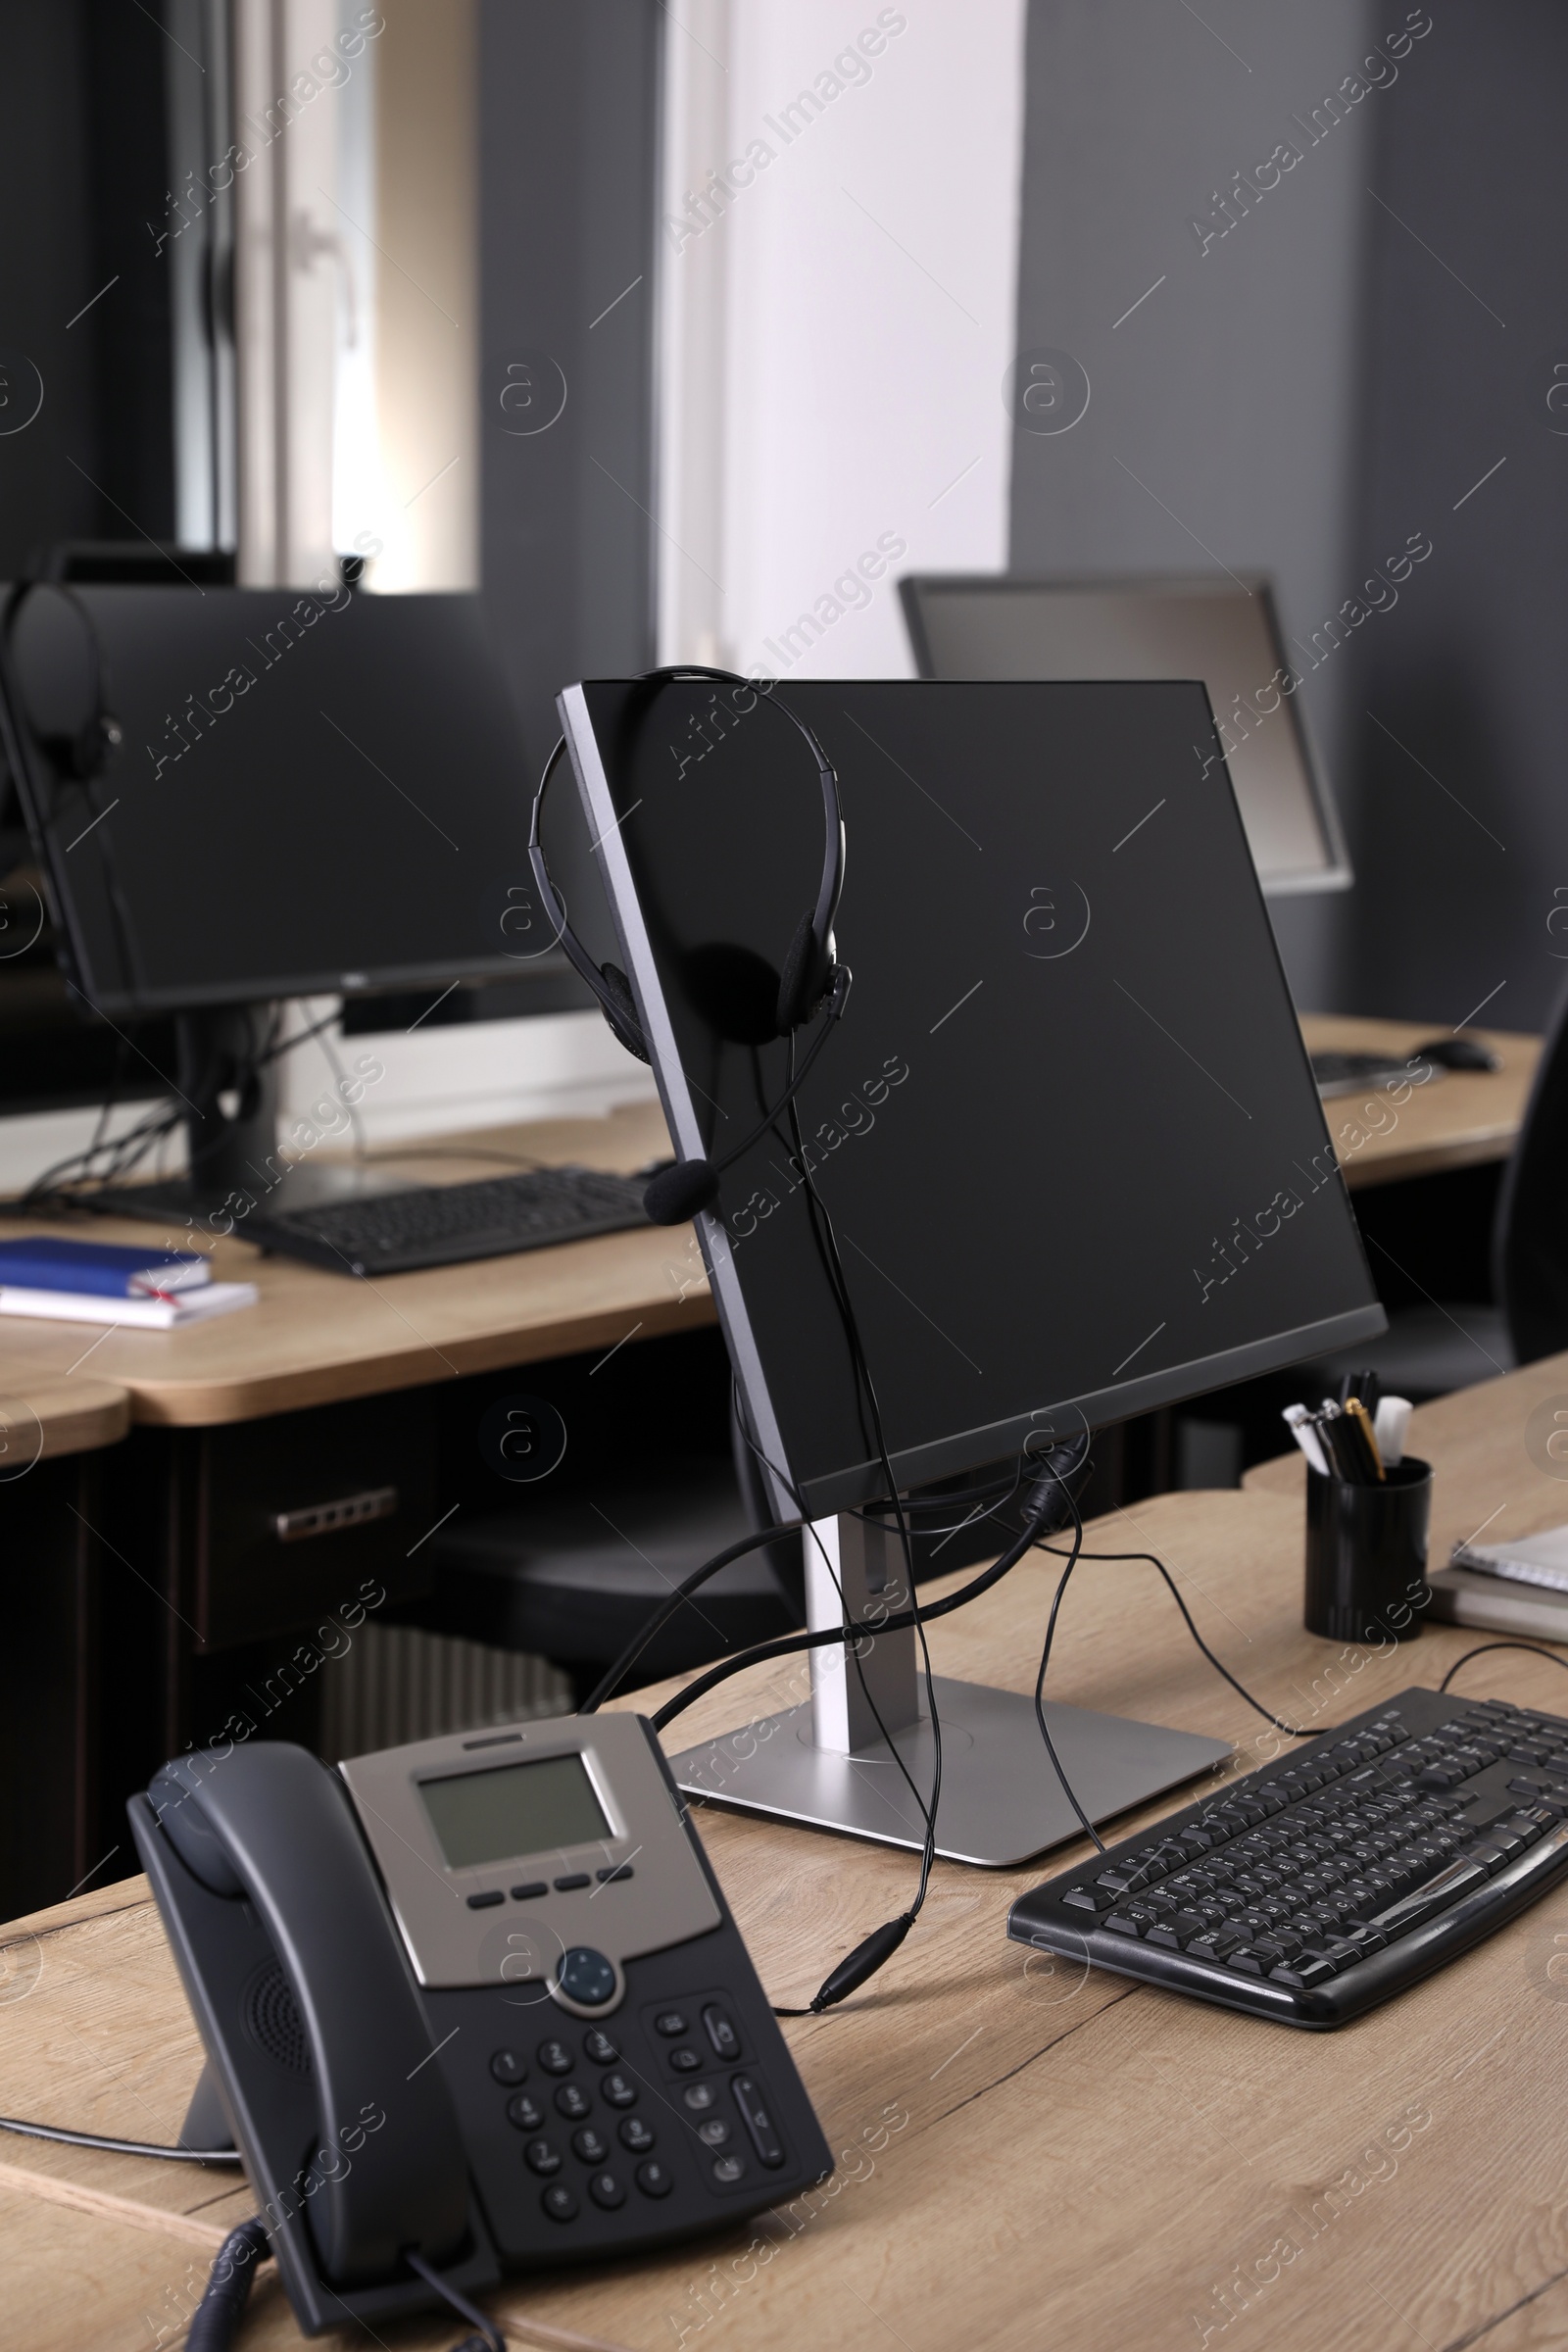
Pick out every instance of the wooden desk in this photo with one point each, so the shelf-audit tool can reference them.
(1030, 2155)
(318, 1339)
(1455, 1121)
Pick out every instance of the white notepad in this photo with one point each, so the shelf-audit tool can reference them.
(131, 1314)
(1541, 1560)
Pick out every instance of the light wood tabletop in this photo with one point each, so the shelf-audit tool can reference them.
(1455, 1121)
(1027, 2153)
(317, 1337)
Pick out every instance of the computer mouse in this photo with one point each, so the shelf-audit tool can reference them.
(1461, 1053)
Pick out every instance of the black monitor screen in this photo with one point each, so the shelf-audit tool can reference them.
(1066, 1131)
(311, 790)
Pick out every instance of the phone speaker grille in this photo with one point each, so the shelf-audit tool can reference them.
(274, 2023)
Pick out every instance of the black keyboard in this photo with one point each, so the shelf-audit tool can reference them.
(443, 1224)
(1314, 1889)
(1349, 1073)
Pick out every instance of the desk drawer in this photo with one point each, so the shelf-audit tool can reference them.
(291, 1516)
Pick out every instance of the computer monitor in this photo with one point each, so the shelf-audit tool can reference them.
(244, 795)
(996, 626)
(1066, 1131)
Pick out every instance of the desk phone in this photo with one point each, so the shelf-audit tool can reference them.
(479, 1998)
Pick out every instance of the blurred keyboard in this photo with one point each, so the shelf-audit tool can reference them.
(1314, 1889)
(444, 1224)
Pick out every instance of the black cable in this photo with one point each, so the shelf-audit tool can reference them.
(1062, 1583)
(229, 2287)
(823, 1233)
(488, 2336)
(785, 1645)
(119, 2147)
(1289, 1729)
(612, 1675)
(1482, 1648)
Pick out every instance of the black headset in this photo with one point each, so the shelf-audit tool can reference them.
(84, 754)
(735, 988)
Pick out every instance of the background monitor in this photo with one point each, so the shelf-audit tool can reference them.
(313, 792)
(979, 627)
(1067, 1130)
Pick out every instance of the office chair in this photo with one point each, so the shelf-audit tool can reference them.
(572, 1579)
(1430, 1351)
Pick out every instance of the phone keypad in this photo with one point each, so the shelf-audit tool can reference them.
(688, 2060)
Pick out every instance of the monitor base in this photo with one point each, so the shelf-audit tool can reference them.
(1001, 1802)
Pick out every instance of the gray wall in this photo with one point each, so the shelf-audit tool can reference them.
(1233, 392)
(1469, 672)
(568, 126)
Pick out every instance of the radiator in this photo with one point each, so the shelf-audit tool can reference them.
(398, 1682)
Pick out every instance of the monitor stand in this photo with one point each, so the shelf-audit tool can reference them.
(825, 1764)
(235, 1174)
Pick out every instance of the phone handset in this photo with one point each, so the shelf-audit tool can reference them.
(270, 1825)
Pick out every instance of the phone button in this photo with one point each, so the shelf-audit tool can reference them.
(758, 2122)
(636, 2135)
(556, 2058)
(523, 2113)
(653, 2178)
(531, 1893)
(686, 2060)
(573, 2102)
(486, 1902)
(669, 2023)
(509, 2066)
(697, 2097)
(600, 2049)
(560, 2203)
(727, 2170)
(617, 2091)
(586, 1977)
(542, 2156)
(721, 2033)
(588, 2145)
(573, 1881)
(606, 2189)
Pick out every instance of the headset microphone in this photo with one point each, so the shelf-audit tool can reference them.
(734, 989)
(676, 1195)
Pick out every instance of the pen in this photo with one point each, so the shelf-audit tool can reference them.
(1360, 1419)
(1303, 1430)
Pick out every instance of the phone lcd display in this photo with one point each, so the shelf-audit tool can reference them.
(514, 1809)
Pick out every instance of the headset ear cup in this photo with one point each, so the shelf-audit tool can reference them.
(622, 1011)
(806, 977)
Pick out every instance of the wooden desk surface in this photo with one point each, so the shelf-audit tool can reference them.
(1455, 1121)
(1028, 2154)
(317, 1338)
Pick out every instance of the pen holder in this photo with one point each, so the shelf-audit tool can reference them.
(1366, 1554)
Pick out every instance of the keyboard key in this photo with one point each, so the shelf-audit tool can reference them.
(1088, 1898)
(1247, 1961)
(1176, 1931)
(1303, 1973)
(1126, 1923)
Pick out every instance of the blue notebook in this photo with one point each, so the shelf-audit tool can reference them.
(41, 1261)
